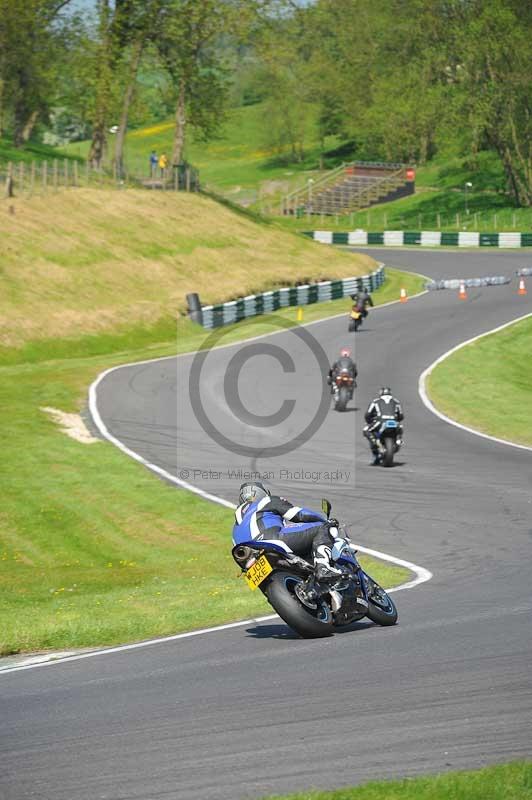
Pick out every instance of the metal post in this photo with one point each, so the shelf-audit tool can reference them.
(10, 183)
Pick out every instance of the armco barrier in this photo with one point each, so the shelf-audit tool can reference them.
(265, 303)
(424, 238)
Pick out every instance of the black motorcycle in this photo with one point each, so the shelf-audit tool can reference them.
(311, 608)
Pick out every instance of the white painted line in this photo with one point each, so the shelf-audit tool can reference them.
(422, 575)
(93, 407)
(422, 386)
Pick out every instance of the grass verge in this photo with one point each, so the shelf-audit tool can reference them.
(89, 262)
(477, 384)
(94, 550)
(502, 782)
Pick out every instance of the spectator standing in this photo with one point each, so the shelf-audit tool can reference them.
(154, 160)
(163, 163)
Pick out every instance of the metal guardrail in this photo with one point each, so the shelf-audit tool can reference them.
(313, 197)
(290, 199)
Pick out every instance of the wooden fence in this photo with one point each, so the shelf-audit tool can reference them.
(36, 177)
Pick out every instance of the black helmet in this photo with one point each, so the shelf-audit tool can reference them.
(385, 390)
(252, 491)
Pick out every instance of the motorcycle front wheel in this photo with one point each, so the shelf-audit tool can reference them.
(381, 608)
(308, 623)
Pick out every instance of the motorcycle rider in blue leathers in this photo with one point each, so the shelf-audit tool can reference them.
(263, 517)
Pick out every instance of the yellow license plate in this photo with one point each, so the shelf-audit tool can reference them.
(355, 314)
(258, 572)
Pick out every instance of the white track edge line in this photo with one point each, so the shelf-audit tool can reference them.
(422, 387)
(421, 573)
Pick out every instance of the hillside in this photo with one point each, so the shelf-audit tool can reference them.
(91, 261)
(244, 167)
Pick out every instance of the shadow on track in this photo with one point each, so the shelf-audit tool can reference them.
(282, 631)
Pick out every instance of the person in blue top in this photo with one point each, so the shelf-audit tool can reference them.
(265, 517)
(154, 160)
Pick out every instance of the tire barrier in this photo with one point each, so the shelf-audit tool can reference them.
(194, 307)
(469, 283)
(423, 238)
(266, 302)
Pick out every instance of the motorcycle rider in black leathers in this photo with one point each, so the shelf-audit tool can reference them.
(385, 406)
(343, 364)
(362, 300)
(261, 516)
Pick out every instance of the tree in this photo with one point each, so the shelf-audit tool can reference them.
(141, 29)
(120, 26)
(28, 40)
(493, 53)
(189, 37)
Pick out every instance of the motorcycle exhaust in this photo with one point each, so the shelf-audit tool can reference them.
(242, 554)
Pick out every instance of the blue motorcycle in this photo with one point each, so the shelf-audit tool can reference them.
(388, 441)
(313, 609)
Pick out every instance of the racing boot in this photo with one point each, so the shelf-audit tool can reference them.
(324, 569)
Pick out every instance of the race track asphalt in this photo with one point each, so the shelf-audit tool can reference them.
(254, 710)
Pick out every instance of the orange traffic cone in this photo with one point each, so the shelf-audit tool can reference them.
(522, 287)
(462, 294)
(403, 296)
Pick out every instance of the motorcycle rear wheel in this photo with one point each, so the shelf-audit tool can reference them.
(342, 400)
(308, 624)
(389, 445)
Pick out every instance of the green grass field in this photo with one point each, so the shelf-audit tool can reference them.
(503, 782)
(95, 550)
(496, 368)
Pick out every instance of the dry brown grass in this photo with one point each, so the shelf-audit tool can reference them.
(90, 261)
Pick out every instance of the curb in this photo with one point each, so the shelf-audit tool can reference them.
(423, 238)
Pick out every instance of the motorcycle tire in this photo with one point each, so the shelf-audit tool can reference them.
(358, 323)
(308, 624)
(343, 399)
(381, 608)
(389, 450)
(352, 326)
